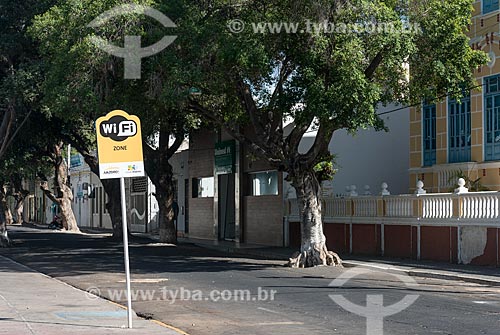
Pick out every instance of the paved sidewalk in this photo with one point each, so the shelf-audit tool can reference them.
(426, 269)
(32, 303)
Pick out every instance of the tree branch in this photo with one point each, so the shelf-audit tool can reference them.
(294, 138)
(251, 109)
(370, 70)
(320, 146)
(44, 186)
(177, 143)
(5, 128)
(234, 132)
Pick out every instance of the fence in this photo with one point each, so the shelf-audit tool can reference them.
(469, 208)
(456, 227)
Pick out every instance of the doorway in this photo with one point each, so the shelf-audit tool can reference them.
(226, 207)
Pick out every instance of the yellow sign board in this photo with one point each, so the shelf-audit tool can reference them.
(119, 145)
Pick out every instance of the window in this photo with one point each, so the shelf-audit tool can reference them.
(203, 187)
(429, 134)
(459, 134)
(492, 118)
(264, 183)
(139, 185)
(490, 6)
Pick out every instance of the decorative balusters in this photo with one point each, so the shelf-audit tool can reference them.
(469, 206)
(399, 206)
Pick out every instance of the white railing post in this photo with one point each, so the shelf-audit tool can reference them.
(420, 188)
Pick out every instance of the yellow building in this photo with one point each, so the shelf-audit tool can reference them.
(448, 139)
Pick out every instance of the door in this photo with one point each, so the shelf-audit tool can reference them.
(226, 207)
(100, 215)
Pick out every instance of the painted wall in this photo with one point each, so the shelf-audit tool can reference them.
(370, 157)
(474, 245)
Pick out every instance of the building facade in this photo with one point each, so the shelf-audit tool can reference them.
(462, 138)
(232, 196)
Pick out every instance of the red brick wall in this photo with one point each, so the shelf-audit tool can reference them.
(436, 243)
(398, 241)
(337, 237)
(366, 239)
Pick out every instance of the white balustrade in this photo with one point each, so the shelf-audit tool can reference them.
(445, 179)
(437, 206)
(480, 206)
(335, 207)
(447, 207)
(365, 206)
(399, 206)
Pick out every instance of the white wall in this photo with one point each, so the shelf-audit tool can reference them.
(371, 157)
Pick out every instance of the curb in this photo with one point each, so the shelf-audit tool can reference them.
(421, 273)
(424, 273)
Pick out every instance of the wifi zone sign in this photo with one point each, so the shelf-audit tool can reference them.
(119, 145)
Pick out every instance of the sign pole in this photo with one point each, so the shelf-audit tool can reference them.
(125, 250)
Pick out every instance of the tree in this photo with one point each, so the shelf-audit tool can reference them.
(5, 218)
(62, 195)
(343, 59)
(19, 195)
(83, 82)
(18, 57)
(16, 53)
(13, 169)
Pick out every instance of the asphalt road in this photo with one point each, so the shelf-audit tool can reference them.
(200, 291)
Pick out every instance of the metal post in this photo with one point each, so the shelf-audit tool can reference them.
(125, 250)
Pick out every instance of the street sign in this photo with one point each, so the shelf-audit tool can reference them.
(225, 157)
(119, 151)
(119, 145)
(76, 161)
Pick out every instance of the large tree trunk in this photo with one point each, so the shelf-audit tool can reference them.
(63, 195)
(4, 211)
(161, 174)
(19, 209)
(20, 196)
(313, 250)
(165, 197)
(9, 219)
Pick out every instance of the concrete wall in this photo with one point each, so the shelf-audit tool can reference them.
(263, 220)
(371, 157)
(474, 245)
(201, 164)
(262, 215)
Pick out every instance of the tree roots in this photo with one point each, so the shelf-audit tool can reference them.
(315, 256)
